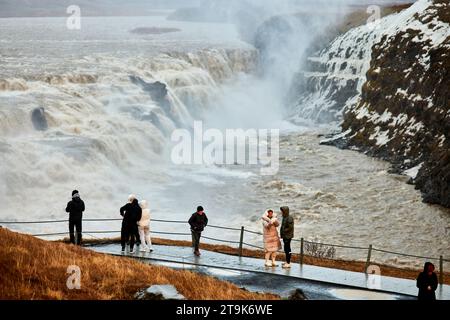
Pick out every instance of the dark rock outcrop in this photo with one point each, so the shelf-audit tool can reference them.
(158, 92)
(434, 178)
(297, 294)
(38, 119)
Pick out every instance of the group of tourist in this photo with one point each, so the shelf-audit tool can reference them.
(136, 230)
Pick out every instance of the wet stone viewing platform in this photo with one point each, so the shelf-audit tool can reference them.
(315, 282)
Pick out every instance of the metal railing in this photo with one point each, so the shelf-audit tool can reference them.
(305, 245)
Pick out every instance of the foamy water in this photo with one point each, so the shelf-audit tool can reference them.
(106, 135)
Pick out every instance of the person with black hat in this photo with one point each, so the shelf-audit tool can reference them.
(75, 208)
(198, 222)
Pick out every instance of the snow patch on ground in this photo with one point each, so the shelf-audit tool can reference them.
(381, 137)
(413, 171)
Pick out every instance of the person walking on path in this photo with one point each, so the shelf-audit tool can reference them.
(144, 228)
(427, 282)
(75, 208)
(131, 213)
(287, 233)
(272, 241)
(198, 222)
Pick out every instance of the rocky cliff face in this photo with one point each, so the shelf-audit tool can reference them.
(404, 111)
(394, 104)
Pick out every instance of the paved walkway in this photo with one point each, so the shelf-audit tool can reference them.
(330, 283)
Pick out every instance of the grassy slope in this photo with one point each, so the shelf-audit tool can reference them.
(31, 268)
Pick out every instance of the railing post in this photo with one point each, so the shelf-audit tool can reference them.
(301, 251)
(369, 254)
(441, 270)
(241, 241)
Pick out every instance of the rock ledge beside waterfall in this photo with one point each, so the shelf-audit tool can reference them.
(403, 112)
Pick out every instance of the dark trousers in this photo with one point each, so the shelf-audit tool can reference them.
(75, 224)
(138, 237)
(287, 249)
(196, 239)
(128, 233)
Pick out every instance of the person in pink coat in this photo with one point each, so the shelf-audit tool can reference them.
(272, 241)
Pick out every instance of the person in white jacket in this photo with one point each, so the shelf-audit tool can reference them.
(272, 241)
(144, 228)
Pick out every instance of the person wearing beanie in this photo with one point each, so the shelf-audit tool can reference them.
(198, 222)
(75, 208)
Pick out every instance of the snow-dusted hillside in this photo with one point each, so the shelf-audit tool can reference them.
(389, 84)
(403, 114)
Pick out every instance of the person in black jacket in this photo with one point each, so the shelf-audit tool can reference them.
(287, 233)
(75, 208)
(198, 222)
(131, 213)
(427, 282)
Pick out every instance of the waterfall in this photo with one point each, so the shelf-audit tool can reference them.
(91, 129)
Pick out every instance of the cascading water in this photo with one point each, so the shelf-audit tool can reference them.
(101, 125)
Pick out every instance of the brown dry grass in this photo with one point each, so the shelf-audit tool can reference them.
(31, 268)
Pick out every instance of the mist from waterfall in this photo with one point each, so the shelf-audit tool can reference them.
(283, 32)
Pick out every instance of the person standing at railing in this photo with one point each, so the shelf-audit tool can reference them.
(131, 213)
(198, 223)
(75, 208)
(144, 228)
(272, 241)
(427, 282)
(287, 233)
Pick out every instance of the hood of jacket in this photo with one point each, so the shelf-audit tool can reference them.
(266, 215)
(144, 204)
(285, 211)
